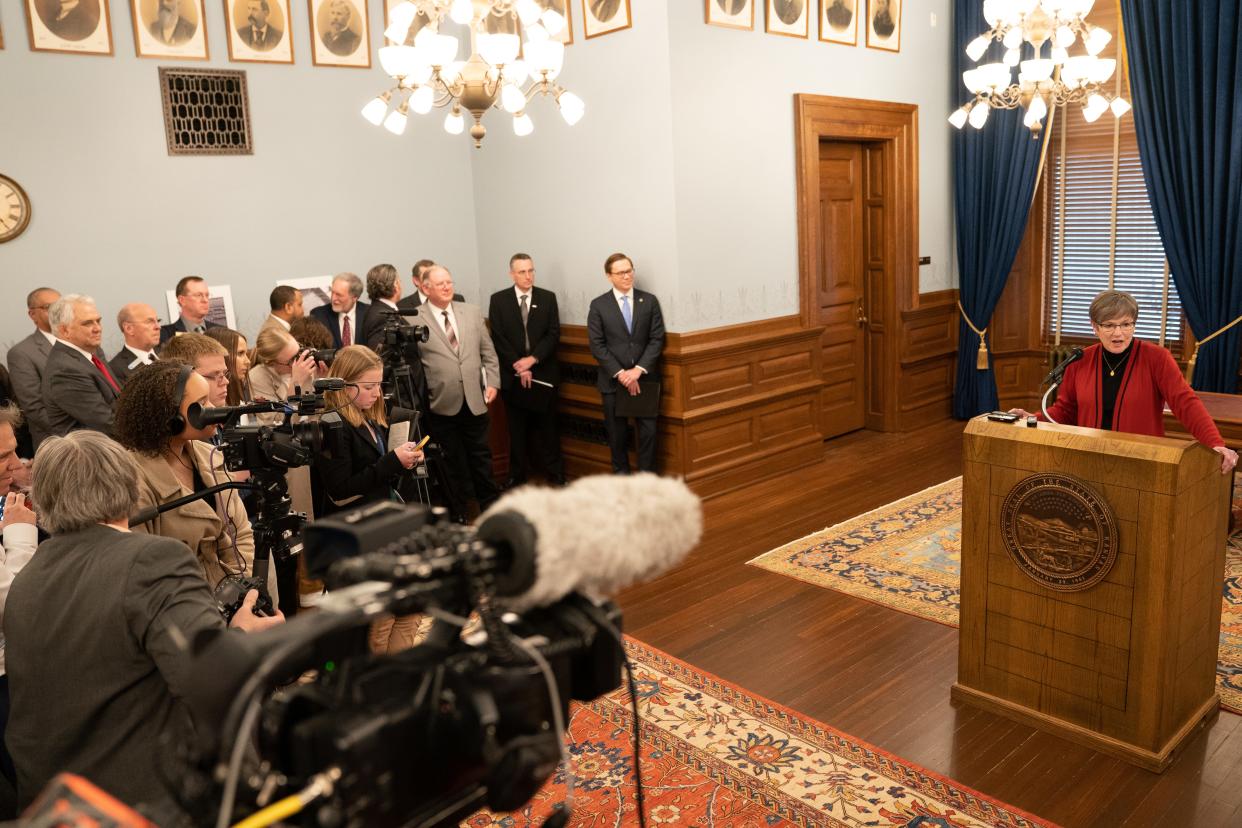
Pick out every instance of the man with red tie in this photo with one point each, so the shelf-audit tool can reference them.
(345, 317)
(78, 389)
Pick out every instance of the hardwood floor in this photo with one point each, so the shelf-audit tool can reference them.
(884, 676)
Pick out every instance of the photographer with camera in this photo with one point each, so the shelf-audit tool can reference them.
(97, 626)
(174, 459)
(280, 366)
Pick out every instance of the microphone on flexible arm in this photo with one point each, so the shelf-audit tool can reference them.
(1054, 379)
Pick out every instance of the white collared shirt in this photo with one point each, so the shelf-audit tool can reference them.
(282, 322)
(616, 294)
(392, 305)
(48, 335)
(352, 315)
(89, 356)
(439, 316)
(140, 357)
(520, 294)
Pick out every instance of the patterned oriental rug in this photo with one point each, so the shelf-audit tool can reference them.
(716, 755)
(908, 555)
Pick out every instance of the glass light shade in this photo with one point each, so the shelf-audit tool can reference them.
(499, 49)
(425, 38)
(993, 11)
(1013, 38)
(977, 47)
(462, 11)
(1096, 106)
(443, 50)
(1012, 56)
(572, 107)
(1097, 40)
(1076, 70)
(399, 20)
(376, 109)
(403, 62)
(1059, 55)
(974, 80)
(523, 125)
(979, 114)
(1120, 106)
(516, 72)
(423, 99)
(1038, 108)
(1080, 7)
(553, 21)
(1029, 120)
(1064, 37)
(958, 118)
(1037, 70)
(512, 99)
(395, 122)
(537, 34)
(996, 75)
(1101, 69)
(1053, 7)
(529, 12)
(547, 56)
(454, 124)
(449, 74)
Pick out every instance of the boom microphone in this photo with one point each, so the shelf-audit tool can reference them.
(598, 535)
(1055, 375)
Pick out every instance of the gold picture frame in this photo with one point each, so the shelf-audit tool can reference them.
(603, 17)
(886, 15)
(331, 45)
(788, 18)
(838, 21)
(182, 38)
(259, 31)
(716, 13)
(82, 29)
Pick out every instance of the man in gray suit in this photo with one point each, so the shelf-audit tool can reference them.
(26, 361)
(78, 388)
(463, 377)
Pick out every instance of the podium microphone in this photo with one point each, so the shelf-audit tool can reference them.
(1055, 375)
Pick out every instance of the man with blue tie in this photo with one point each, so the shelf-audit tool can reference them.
(626, 332)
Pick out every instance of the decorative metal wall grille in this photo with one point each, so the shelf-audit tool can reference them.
(589, 430)
(206, 112)
(577, 374)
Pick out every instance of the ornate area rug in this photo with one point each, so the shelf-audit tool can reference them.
(908, 555)
(715, 755)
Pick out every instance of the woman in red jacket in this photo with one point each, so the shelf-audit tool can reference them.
(1123, 383)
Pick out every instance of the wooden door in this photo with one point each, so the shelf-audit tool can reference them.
(840, 294)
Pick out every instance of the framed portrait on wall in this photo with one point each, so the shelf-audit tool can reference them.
(884, 25)
(339, 33)
(732, 14)
(838, 21)
(601, 17)
(420, 20)
(169, 29)
(788, 17)
(561, 7)
(79, 27)
(258, 31)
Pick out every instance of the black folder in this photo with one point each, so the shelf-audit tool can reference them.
(645, 404)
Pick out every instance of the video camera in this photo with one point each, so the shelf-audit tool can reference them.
(324, 355)
(424, 737)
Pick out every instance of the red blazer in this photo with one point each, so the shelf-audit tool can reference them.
(1150, 380)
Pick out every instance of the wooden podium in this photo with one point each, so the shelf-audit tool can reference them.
(1092, 572)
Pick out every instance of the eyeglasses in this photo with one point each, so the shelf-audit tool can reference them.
(1113, 327)
(629, 272)
(217, 376)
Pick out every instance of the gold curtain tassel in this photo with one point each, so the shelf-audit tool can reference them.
(1190, 366)
(981, 360)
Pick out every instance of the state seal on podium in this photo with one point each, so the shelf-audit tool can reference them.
(1059, 531)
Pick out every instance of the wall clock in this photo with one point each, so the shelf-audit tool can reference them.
(14, 209)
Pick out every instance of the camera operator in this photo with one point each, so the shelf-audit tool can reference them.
(384, 290)
(279, 367)
(174, 460)
(96, 627)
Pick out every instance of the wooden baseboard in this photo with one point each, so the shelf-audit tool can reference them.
(1156, 761)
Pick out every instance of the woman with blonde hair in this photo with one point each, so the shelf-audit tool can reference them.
(280, 368)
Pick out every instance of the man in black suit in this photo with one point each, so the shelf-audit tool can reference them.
(258, 34)
(418, 275)
(526, 329)
(338, 37)
(141, 328)
(384, 291)
(78, 389)
(194, 300)
(70, 19)
(169, 26)
(626, 332)
(345, 317)
(115, 609)
(27, 360)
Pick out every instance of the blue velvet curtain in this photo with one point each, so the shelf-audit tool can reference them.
(993, 183)
(1185, 60)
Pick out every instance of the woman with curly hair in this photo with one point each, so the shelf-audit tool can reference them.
(152, 421)
(237, 361)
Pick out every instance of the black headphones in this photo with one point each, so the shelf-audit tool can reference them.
(176, 423)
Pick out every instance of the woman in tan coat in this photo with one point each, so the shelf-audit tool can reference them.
(175, 460)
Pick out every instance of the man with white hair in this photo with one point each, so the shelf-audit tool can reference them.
(345, 317)
(78, 389)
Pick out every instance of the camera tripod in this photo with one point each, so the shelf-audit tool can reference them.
(403, 390)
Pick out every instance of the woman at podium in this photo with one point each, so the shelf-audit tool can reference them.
(1123, 383)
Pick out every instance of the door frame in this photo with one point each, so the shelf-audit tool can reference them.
(894, 127)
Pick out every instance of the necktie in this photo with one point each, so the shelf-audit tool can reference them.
(525, 318)
(151, 358)
(103, 369)
(627, 314)
(448, 330)
(347, 338)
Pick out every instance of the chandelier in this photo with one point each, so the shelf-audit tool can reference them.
(1044, 81)
(502, 71)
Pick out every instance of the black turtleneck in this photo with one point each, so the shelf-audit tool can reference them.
(1111, 385)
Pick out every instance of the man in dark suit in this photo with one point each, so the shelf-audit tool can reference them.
(384, 291)
(345, 317)
(258, 34)
(70, 19)
(456, 358)
(419, 295)
(124, 636)
(338, 37)
(27, 360)
(78, 389)
(141, 328)
(194, 301)
(626, 332)
(526, 329)
(169, 26)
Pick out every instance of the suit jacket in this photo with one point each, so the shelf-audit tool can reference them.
(273, 322)
(181, 33)
(373, 328)
(344, 45)
(119, 364)
(457, 376)
(615, 348)
(26, 365)
(246, 33)
(116, 607)
(329, 318)
(75, 393)
(170, 330)
(543, 329)
(358, 472)
(415, 299)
